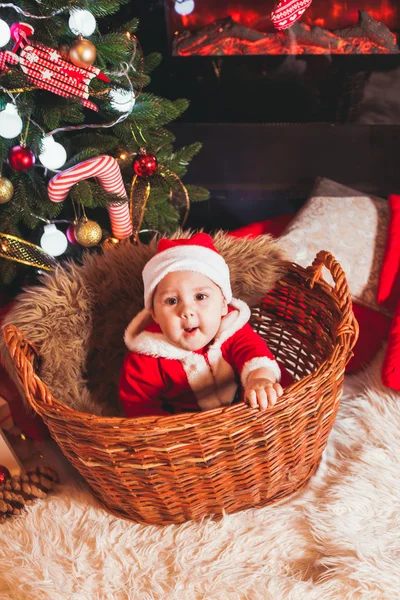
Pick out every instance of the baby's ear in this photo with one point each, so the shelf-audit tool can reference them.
(153, 315)
(224, 308)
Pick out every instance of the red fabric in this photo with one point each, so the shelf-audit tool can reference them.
(389, 295)
(374, 329)
(274, 227)
(148, 381)
(391, 363)
(28, 422)
(198, 239)
(389, 282)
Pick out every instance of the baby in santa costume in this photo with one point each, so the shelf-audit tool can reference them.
(192, 345)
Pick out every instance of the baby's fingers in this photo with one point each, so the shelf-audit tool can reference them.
(271, 395)
(278, 389)
(251, 398)
(262, 397)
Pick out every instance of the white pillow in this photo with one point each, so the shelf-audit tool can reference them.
(352, 226)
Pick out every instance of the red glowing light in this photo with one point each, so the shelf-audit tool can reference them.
(255, 14)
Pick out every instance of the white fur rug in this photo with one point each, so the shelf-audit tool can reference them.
(338, 539)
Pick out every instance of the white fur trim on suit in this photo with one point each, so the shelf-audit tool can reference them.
(201, 381)
(136, 326)
(232, 322)
(186, 258)
(224, 376)
(258, 363)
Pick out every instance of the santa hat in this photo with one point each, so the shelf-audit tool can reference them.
(197, 253)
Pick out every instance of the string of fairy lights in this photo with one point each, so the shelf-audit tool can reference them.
(53, 156)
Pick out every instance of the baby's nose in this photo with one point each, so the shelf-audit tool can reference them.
(187, 311)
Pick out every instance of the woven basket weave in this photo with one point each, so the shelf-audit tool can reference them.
(162, 470)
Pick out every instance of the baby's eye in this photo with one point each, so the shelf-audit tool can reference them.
(171, 301)
(201, 296)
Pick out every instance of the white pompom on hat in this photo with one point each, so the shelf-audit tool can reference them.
(197, 254)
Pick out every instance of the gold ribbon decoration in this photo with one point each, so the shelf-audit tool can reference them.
(178, 195)
(14, 248)
(140, 192)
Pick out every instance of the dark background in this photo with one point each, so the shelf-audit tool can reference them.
(270, 125)
(233, 89)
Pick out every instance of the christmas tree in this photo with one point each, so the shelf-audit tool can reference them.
(78, 133)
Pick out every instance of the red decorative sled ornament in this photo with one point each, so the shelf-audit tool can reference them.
(48, 70)
(287, 12)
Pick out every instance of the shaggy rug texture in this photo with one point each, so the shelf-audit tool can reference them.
(338, 539)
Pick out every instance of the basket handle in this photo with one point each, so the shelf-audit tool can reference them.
(348, 330)
(26, 359)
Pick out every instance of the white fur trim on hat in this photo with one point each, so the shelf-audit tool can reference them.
(202, 260)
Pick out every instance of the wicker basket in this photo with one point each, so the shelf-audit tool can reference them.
(171, 469)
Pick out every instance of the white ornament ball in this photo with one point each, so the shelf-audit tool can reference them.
(82, 22)
(4, 33)
(122, 100)
(10, 122)
(185, 7)
(53, 154)
(53, 241)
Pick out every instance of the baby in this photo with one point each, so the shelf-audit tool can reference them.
(191, 344)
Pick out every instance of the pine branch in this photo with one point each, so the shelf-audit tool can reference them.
(104, 8)
(84, 154)
(152, 61)
(112, 49)
(197, 193)
(82, 193)
(130, 26)
(178, 161)
(8, 270)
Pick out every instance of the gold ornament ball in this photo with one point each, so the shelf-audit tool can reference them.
(88, 233)
(82, 53)
(6, 190)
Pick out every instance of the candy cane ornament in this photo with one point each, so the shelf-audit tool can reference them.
(108, 173)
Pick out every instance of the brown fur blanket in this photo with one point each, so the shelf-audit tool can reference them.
(78, 315)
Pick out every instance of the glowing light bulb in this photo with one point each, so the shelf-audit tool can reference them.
(10, 122)
(184, 7)
(82, 22)
(53, 154)
(5, 33)
(53, 241)
(122, 100)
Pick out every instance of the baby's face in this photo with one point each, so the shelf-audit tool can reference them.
(188, 307)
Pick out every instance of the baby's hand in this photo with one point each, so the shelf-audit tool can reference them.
(262, 393)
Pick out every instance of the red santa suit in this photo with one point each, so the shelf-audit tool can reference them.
(159, 378)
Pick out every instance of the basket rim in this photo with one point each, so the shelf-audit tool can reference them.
(56, 409)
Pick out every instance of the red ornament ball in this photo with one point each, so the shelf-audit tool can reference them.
(70, 233)
(145, 165)
(21, 159)
(4, 474)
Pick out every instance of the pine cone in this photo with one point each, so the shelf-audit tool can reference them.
(21, 491)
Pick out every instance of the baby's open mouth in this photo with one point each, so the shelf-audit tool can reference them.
(190, 329)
